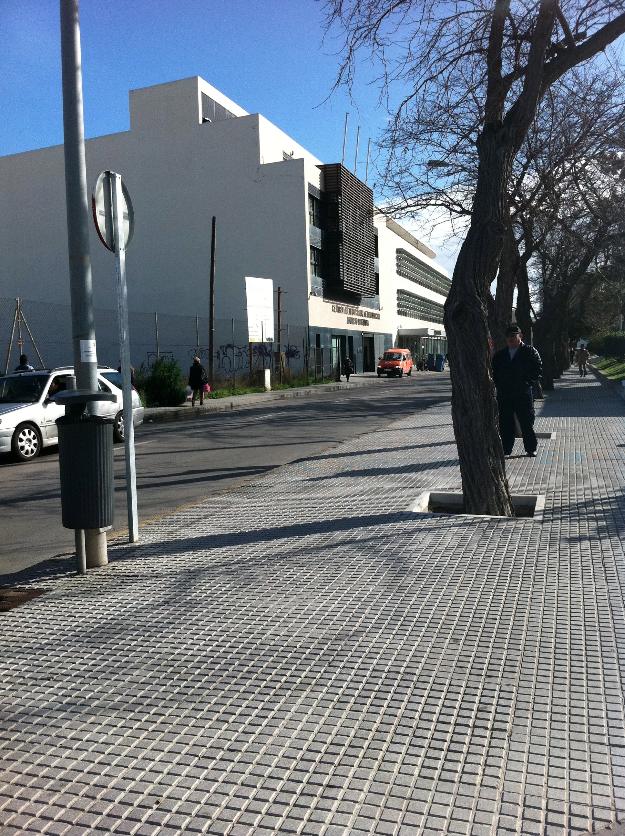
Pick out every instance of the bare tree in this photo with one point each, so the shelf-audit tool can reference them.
(506, 56)
(577, 130)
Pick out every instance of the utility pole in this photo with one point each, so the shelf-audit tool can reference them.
(211, 303)
(279, 318)
(83, 329)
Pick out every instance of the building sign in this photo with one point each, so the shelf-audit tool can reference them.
(356, 316)
(259, 295)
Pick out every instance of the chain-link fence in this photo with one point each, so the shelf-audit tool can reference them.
(41, 329)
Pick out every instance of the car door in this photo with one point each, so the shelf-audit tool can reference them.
(52, 410)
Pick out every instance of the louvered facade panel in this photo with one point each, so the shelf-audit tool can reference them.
(350, 237)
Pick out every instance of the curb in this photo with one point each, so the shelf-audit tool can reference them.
(236, 402)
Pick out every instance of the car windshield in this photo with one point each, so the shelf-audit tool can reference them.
(392, 355)
(113, 377)
(26, 388)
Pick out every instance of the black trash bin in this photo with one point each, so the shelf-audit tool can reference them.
(431, 363)
(86, 469)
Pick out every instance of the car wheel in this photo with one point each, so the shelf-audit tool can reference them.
(26, 442)
(118, 427)
(379, 374)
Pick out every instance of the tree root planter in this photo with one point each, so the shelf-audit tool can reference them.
(448, 502)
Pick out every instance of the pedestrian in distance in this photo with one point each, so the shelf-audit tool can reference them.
(583, 356)
(197, 380)
(517, 369)
(24, 365)
(348, 368)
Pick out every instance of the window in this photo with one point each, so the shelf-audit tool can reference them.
(315, 261)
(421, 273)
(22, 388)
(416, 307)
(112, 377)
(376, 248)
(314, 211)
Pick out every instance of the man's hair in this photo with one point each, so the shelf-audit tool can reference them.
(512, 330)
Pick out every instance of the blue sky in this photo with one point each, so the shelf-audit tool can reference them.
(267, 55)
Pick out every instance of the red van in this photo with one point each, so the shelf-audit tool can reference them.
(395, 362)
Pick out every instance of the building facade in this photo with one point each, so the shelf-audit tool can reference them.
(352, 282)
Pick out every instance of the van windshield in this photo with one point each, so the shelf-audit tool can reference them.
(26, 388)
(393, 355)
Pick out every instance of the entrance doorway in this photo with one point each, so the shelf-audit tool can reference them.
(368, 353)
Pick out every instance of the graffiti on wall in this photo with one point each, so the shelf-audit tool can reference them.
(231, 358)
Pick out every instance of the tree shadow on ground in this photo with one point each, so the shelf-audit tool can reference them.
(575, 397)
(605, 516)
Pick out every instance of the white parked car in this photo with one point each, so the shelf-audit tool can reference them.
(28, 414)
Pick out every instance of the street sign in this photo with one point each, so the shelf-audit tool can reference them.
(102, 208)
(259, 294)
(114, 221)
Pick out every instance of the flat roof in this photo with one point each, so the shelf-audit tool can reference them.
(398, 229)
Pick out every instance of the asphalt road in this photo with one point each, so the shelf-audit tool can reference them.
(181, 462)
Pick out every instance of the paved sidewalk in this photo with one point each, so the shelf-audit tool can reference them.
(307, 656)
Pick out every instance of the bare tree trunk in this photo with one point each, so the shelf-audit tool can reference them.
(509, 264)
(563, 360)
(544, 339)
(474, 407)
(523, 303)
(549, 333)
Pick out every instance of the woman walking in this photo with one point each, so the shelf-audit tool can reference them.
(197, 380)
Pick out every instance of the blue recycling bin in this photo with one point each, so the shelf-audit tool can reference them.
(440, 363)
(431, 363)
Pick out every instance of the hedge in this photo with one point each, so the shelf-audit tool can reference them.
(611, 344)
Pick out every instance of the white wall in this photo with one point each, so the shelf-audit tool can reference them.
(390, 282)
(179, 173)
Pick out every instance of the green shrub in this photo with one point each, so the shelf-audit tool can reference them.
(611, 344)
(163, 384)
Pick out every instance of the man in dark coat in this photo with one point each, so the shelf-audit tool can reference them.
(197, 380)
(516, 370)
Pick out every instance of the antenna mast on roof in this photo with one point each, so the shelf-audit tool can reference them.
(344, 138)
(356, 154)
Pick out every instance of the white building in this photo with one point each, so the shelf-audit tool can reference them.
(352, 280)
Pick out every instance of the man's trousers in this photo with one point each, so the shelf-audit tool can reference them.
(522, 405)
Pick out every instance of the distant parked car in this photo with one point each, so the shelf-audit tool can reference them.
(28, 412)
(395, 362)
